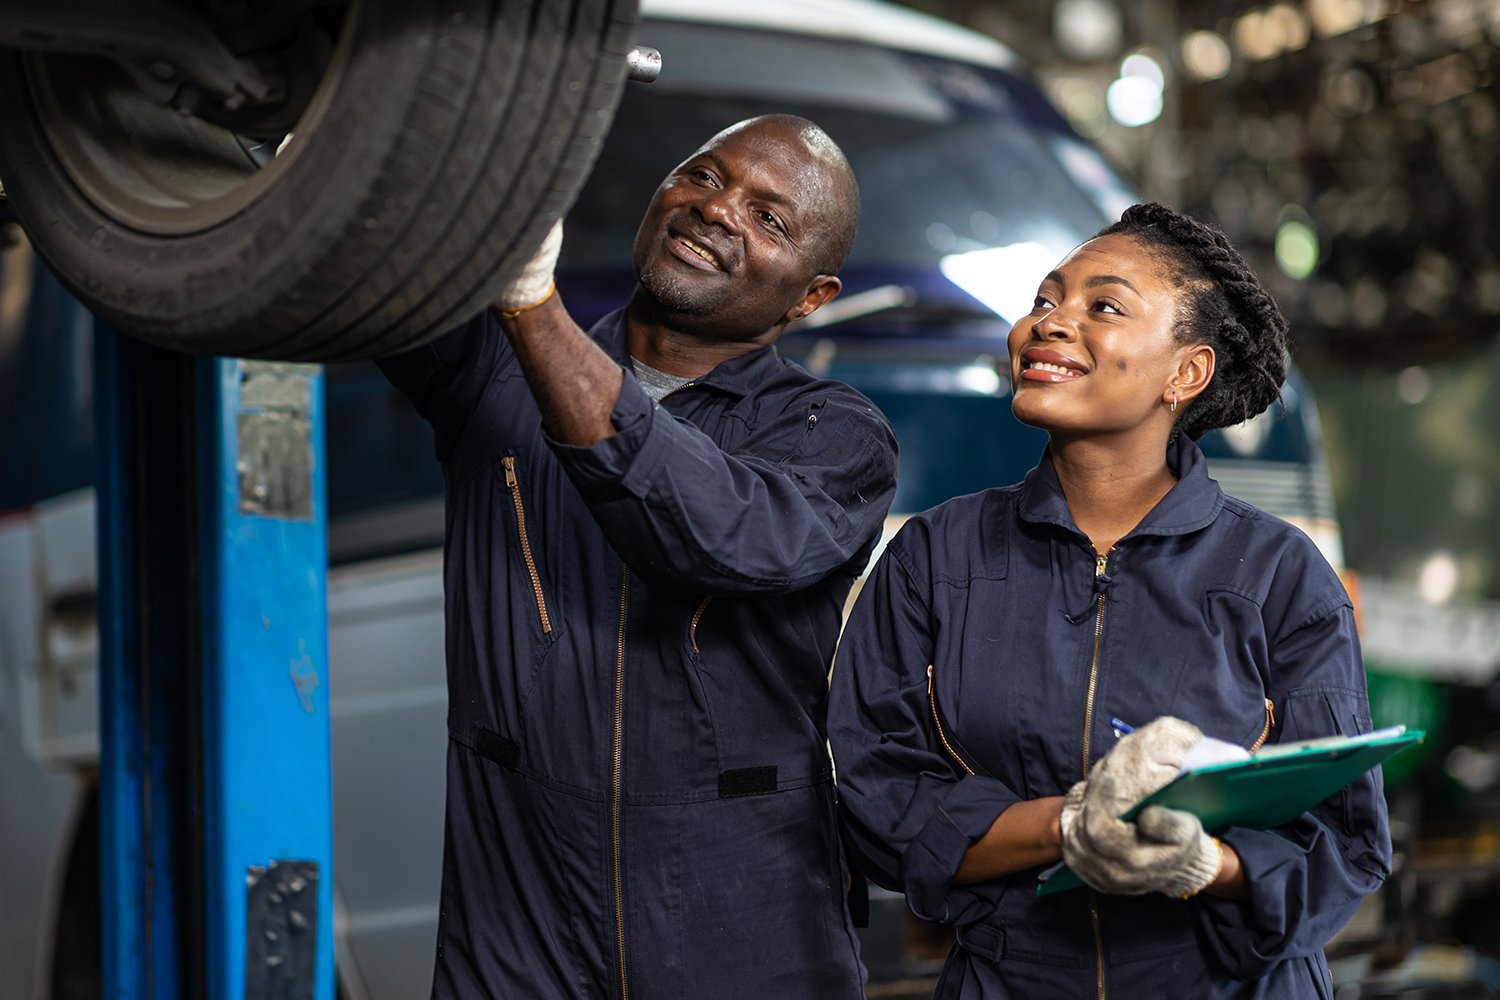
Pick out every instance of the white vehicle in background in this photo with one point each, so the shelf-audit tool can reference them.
(973, 186)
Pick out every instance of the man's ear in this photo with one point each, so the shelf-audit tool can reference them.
(820, 292)
(1194, 372)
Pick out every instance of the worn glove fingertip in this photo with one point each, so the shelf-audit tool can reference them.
(1167, 826)
(1172, 738)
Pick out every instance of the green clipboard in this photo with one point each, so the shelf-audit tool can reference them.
(1273, 787)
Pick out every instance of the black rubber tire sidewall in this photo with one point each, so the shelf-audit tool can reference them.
(459, 132)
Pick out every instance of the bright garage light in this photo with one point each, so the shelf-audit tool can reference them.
(1256, 36)
(1087, 29)
(1133, 100)
(1413, 385)
(1334, 17)
(1146, 68)
(1439, 578)
(982, 379)
(1293, 26)
(1246, 438)
(1004, 278)
(1205, 55)
(1296, 249)
(1267, 34)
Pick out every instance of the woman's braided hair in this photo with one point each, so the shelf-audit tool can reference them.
(1226, 308)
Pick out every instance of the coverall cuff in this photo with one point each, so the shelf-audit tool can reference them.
(1293, 908)
(932, 858)
(630, 457)
(1274, 864)
(1267, 861)
(1260, 850)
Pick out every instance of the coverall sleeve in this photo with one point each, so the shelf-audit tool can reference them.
(909, 812)
(797, 500)
(446, 378)
(1306, 879)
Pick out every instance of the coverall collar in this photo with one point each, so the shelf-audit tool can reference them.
(739, 376)
(1189, 506)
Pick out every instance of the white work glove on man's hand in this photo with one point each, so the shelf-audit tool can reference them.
(1168, 852)
(533, 285)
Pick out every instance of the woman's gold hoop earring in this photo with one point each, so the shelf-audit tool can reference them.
(1174, 402)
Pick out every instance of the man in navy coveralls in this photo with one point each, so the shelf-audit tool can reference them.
(652, 528)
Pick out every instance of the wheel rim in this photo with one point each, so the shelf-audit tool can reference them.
(152, 168)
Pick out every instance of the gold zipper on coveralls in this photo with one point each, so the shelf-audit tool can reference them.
(617, 775)
(616, 781)
(693, 628)
(937, 724)
(1270, 723)
(1101, 561)
(509, 464)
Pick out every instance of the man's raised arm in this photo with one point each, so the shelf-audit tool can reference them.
(574, 382)
(802, 498)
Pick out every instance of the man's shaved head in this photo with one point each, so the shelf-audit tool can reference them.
(839, 194)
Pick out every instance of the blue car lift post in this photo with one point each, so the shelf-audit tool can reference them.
(216, 820)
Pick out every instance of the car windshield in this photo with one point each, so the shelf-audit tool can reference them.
(972, 185)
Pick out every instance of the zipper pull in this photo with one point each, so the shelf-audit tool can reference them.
(1265, 733)
(1101, 572)
(509, 465)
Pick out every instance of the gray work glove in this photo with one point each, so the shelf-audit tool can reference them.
(1163, 850)
(533, 285)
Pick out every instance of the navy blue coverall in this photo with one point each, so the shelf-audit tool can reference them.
(638, 639)
(1207, 610)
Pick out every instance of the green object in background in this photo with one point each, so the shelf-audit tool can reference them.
(1411, 701)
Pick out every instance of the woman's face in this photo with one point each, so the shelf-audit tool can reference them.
(1097, 355)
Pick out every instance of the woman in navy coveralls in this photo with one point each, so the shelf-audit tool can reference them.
(1001, 631)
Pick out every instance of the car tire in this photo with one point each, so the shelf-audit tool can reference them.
(441, 144)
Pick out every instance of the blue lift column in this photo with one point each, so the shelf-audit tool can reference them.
(216, 807)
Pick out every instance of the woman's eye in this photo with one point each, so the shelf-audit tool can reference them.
(1104, 305)
(1041, 302)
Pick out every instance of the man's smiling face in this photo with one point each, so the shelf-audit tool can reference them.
(732, 237)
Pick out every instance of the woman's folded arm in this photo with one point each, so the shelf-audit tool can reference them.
(912, 813)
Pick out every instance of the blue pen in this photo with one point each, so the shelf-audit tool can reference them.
(1120, 728)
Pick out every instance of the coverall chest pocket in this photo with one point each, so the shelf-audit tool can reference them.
(530, 554)
(1222, 684)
